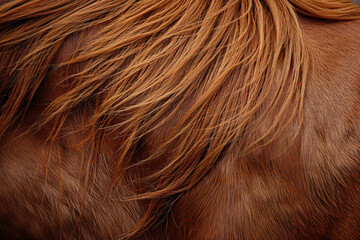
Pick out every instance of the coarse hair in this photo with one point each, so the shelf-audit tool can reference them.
(198, 78)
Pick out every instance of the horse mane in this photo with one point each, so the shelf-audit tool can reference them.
(182, 81)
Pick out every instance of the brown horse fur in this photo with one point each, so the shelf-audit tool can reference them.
(179, 119)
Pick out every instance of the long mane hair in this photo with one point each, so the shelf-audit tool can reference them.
(162, 88)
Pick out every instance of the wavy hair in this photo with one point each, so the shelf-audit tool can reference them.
(188, 79)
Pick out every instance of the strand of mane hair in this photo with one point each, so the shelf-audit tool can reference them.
(193, 78)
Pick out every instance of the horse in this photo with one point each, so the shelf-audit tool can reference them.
(179, 119)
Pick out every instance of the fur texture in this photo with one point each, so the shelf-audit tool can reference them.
(218, 119)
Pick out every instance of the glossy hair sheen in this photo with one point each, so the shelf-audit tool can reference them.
(149, 97)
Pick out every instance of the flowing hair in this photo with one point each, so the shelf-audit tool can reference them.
(193, 79)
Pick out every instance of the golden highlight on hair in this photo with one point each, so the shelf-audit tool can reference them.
(199, 77)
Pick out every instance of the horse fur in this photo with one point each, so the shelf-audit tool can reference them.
(179, 119)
